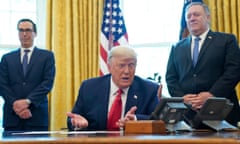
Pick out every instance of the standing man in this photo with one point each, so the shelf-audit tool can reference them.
(212, 71)
(97, 96)
(26, 77)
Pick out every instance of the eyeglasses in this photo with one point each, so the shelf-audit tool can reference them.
(25, 30)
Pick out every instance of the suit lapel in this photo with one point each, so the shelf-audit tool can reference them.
(188, 49)
(33, 59)
(17, 56)
(105, 90)
(132, 98)
(188, 52)
(19, 63)
(205, 45)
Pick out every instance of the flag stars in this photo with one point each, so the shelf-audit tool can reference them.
(114, 13)
(108, 5)
(120, 22)
(120, 14)
(113, 29)
(107, 21)
(113, 23)
(119, 30)
(107, 13)
(106, 29)
(115, 6)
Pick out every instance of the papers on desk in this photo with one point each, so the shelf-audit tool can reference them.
(35, 132)
(65, 132)
(89, 132)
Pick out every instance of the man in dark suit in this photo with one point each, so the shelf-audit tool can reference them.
(96, 95)
(25, 93)
(216, 72)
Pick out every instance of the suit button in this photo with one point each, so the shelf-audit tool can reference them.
(24, 83)
(194, 75)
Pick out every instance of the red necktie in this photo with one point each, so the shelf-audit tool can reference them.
(115, 112)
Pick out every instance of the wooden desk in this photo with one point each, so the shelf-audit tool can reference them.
(118, 138)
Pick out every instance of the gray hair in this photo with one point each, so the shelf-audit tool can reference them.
(205, 7)
(122, 50)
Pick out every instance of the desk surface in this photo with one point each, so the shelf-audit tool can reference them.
(101, 137)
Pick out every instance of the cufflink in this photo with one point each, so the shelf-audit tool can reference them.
(28, 101)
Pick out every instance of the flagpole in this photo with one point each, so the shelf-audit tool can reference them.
(110, 34)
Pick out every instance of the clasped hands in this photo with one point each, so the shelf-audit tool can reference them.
(196, 101)
(20, 107)
(79, 122)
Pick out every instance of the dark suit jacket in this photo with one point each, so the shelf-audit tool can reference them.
(35, 85)
(217, 69)
(93, 97)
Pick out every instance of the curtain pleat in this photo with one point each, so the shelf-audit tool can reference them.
(73, 30)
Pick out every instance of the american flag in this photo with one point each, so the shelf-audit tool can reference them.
(113, 31)
(184, 30)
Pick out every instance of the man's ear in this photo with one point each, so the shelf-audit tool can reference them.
(35, 34)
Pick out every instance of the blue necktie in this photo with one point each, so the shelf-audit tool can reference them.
(196, 50)
(25, 61)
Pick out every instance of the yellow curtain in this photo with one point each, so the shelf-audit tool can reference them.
(73, 30)
(225, 18)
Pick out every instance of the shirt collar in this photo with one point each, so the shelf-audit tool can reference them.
(202, 36)
(30, 48)
(114, 88)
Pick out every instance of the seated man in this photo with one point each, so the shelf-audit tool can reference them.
(94, 108)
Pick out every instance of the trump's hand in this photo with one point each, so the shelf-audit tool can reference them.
(77, 121)
(130, 115)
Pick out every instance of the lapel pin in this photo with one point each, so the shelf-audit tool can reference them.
(135, 97)
(210, 37)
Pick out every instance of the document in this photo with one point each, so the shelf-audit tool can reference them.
(64, 132)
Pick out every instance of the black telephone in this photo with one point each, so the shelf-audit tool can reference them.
(212, 114)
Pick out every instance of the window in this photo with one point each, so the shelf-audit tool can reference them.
(10, 12)
(13, 10)
(153, 27)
